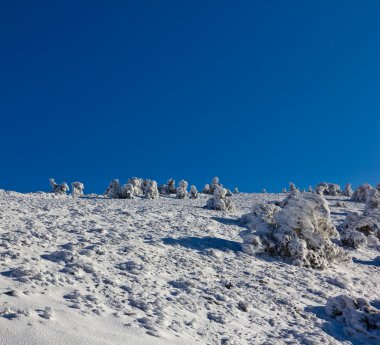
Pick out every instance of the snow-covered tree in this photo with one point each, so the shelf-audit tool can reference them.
(61, 188)
(219, 201)
(348, 190)
(136, 182)
(127, 191)
(206, 189)
(229, 193)
(292, 187)
(310, 189)
(182, 190)
(361, 193)
(214, 184)
(150, 189)
(113, 190)
(163, 189)
(171, 189)
(325, 188)
(301, 230)
(264, 191)
(236, 190)
(77, 189)
(284, 190)
(193, 192)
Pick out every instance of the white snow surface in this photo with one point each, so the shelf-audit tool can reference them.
(94, 270)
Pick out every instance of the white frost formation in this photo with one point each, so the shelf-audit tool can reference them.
(182, 190)
(77, 189)
(127, 191)
(357, 314)
(150, 189)
(137, 183)
(356, 228)
(219, 201)
(361, 193)
(61, 188)
(113, 190)
(193, 192)
(301, 230)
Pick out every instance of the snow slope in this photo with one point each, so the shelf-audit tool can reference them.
(95, 270)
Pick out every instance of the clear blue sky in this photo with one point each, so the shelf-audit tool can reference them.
(257, 92)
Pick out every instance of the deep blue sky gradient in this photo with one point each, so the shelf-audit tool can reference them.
(257, 92)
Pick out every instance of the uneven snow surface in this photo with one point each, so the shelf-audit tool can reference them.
(94, 270)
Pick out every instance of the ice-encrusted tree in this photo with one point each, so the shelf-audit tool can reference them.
(264, 191)
(137, 184)
(193, 192)
(215, 184)
(163, 189)
(77, 189)
(113, 189)
(348, 190)
(331, 189)
(150, 189)
(182, 190)
(171, 189)
(236, 190)
(127, 191)
(292, 187)
(361, 193)
(310, 189)
(61, 188)
(219, 201)
(301, 229)
(206, 189)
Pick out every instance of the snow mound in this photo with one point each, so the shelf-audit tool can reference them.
(301, 229)
(356, 314)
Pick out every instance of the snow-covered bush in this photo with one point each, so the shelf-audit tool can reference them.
(193, 192)
(215, 184)
(219, 201)
(206, 189)
(229, 193)
(292, 187)
(325, 188)
(373, 201)
(264, 191)
(150, 189)
(283, 190)
(358, 316)
(61, 188)
(171, 187)
(163, 189)
(127, 191)
(113, 190)
(182, 190)
(301, 229)
(77, 189)
(348, 190)
(137, 183)
(236, 190)
(360, 194)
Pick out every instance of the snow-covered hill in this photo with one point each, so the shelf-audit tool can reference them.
(94, 270)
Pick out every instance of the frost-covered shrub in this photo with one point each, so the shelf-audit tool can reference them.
(284, 190)
(264, 191)
(292, 187)
(193, 192)
(229, 193)
(127, 191)
(182, 189)
(325, 188)
(348, 190)
(163, 189)
(150, 189)
(113, 190)
(360, 194)
(236, 190)
(373, 201)
(137, 183)
(61, 188)
(219, 201)
(301, 229)
(358, 316)
(215, 184)
(206, 189)
(171, 186)
(77, 189)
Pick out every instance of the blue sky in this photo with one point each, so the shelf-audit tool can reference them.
(257, 92)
